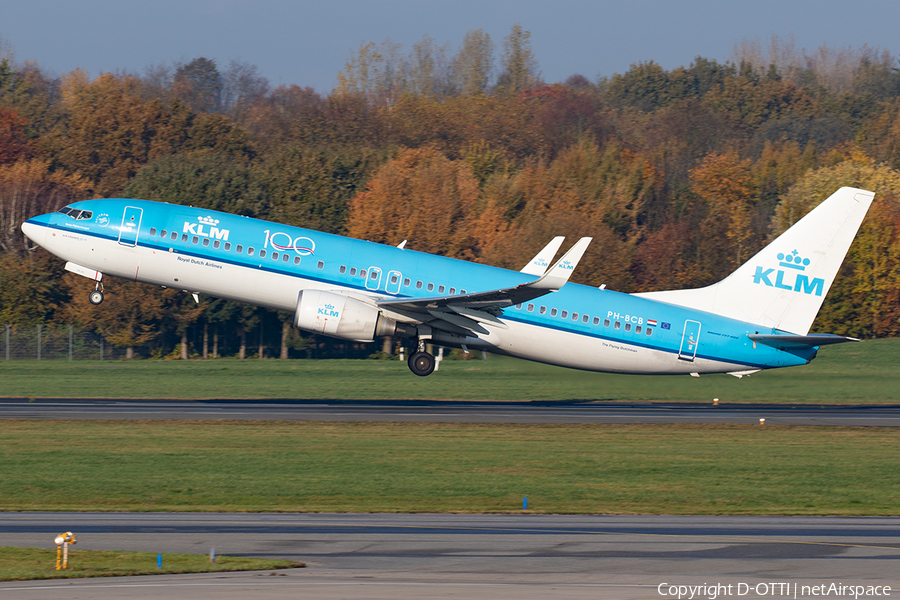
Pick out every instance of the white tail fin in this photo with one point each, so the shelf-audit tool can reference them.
(783, 286)
(538, 265)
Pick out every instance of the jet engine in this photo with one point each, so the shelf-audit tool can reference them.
(342, 317)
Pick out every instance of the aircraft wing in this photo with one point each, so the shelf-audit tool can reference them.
(469, 311)
(538, 265)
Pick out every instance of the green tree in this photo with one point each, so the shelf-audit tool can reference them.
(473, 63)
(519, 64)
(199, 84)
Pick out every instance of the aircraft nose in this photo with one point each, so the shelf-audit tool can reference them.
(34, 232)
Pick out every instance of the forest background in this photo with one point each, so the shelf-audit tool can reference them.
(679, 176)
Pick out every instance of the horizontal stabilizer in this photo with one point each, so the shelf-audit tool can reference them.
(786, 342)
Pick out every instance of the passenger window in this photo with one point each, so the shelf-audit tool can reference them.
(462, 291)
(394, 279)
(596, 320)
(452, 291)
(163, 233)
(430, 287)
(153, 231)
(637, 329)
(565, 314)
(441, 289)
(518, 307)
(285, 258)
(274, 255)
(618, 325)
(585, 318)
(320, 265)
(553, 312)
(175, 236)
(352, 270)
(250, 251)
(406, 282)
(343, 268)
(606, 322)
(195, 239)
(373, 275)
(262, 253)
(227, 246)
(206, 241)
(649, 331)
(239, 249)
(296, 260)
(418, 285)
(574, 316)
(362, 273)
(543, 310)
(216, 244)
(183, 237)
(531, 308)
(627, 326)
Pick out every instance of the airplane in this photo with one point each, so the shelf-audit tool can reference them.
(757, 318)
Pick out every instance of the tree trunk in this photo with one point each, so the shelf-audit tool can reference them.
(184, 345)
(216, 342)
(285, 333)
(243, 344)
(260, 341)
(129, 352)
(205, 341)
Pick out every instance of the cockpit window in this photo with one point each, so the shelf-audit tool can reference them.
(74, 213)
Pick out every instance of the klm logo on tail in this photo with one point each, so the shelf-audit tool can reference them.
(792, 265)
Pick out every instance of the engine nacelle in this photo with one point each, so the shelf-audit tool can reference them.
(346, 318)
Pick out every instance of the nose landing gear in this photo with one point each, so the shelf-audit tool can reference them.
(96, 296)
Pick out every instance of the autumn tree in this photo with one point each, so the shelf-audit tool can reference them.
(722, 182)
(863, 299)
(29, 188)
(422, 196)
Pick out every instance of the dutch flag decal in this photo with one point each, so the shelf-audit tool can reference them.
(651, 322)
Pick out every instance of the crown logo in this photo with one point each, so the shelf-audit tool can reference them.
(329, 306)
(793, 261)
(208, 220)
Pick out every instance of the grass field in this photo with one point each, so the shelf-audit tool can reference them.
(864, 373)
(409, 467)
(22, 564)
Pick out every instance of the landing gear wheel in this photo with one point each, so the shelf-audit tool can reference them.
(421, 363)
(95, 297)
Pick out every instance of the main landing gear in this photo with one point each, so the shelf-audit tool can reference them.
(420, 362)
(96, 295)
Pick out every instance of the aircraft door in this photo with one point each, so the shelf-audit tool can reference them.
(131, 224)
(689, 341)
(392, 286)
(373, 278)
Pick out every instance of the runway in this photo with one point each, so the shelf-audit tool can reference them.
(449, 411)
(472, 556)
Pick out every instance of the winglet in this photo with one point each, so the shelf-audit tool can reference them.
(559, 274)
(538, 265)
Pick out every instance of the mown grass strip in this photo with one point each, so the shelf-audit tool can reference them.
(25, 564)
(438, 467)
(851, 373)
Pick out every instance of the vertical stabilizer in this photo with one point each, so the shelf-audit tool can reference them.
(783, 286)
